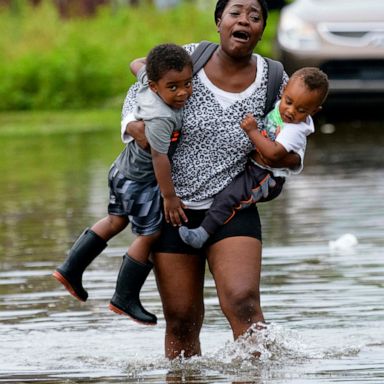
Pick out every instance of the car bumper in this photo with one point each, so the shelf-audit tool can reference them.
(346, 76)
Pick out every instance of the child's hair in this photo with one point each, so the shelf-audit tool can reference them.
(165, 57)
(315, 80)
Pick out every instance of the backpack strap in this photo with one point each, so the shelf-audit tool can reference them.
(202, 54)
(204, 51)
(275, 79)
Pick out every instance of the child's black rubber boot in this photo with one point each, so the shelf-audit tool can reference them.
(86, 248)
(126, 300)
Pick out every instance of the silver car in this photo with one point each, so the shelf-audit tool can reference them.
(345, 38)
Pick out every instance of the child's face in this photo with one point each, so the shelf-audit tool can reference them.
(174, 87)
(298, 102)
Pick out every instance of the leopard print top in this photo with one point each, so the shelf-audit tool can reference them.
(213, 148)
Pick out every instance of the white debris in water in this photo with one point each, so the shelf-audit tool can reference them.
(328, 129)
(345, 242)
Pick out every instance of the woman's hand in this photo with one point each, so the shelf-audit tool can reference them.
(258, 157)
(136, 129)
(290, 160)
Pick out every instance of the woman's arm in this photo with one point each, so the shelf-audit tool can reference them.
(136, 65)
(131, 128)
(136, 130)
(291, 160)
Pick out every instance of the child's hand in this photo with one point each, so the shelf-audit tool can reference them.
(249, 123)
(173, 211)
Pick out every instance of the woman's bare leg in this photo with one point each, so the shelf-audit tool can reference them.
(180, 279)
(235, 264)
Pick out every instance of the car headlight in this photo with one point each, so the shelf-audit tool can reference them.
(294, 33)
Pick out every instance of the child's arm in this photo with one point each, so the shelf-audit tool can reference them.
(269, 150)
(173, 208)
(137, 64)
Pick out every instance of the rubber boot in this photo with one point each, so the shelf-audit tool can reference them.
(86, 248)
(126, 300)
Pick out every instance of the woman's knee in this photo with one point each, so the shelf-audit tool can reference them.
(184, 323)
(180, 280)
(235, 264)
(242, 305)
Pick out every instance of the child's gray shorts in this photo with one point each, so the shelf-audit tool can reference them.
(139, 201)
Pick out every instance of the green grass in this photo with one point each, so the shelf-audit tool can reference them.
(72, 75)
(53, 64)
(58, 122)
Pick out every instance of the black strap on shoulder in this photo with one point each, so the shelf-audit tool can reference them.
(202, 54)
(204, 51)
(275, 79)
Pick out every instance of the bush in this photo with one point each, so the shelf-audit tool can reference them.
(81, 63)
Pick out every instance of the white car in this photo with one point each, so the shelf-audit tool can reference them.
(345, 38)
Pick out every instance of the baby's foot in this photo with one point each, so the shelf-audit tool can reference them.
(194, 237)
(263, 189)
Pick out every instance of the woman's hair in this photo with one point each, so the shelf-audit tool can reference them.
(165, 57)
(314, 79)
(221, 4)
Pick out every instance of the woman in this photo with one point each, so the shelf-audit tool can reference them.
(213, 149)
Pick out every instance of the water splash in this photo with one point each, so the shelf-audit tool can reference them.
(270, 344)
(254, 352)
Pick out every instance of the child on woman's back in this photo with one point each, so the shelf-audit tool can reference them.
(136, 179)
(286, 129)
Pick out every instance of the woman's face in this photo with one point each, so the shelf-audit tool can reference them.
(241, 26)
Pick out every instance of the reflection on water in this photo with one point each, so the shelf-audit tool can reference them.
(325, 306)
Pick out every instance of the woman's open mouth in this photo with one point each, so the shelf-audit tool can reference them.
(241, 35)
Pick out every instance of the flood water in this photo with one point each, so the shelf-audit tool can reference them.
(324, 304)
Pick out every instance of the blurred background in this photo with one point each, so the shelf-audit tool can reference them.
(345, 39)
(64, 73)
(75, 54)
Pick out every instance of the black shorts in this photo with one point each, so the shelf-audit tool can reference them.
(245, 223)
